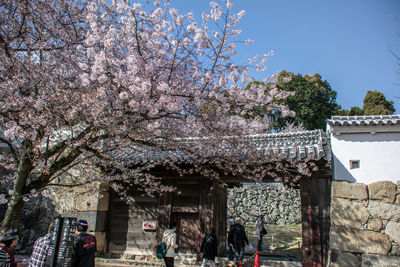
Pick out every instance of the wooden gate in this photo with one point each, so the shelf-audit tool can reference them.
(315, 194)
(125, 234)
(118, 224)
(188, 232)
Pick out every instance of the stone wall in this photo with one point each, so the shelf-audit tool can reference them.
(37, 215)
(279, 204)
(89, 202)
(365, 224)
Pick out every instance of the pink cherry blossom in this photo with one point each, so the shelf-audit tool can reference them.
(89, 81)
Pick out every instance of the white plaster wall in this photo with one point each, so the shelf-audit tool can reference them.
(379, 156)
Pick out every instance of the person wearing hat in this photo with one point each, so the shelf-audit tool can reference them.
(9, 241)
(260, 231)
(84, 246)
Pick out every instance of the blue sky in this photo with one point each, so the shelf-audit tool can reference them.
(347, 42)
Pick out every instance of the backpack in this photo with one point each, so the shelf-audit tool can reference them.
(161, 250)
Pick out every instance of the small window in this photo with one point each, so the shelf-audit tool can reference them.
(354, 164)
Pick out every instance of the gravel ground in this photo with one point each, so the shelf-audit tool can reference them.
(280, 239)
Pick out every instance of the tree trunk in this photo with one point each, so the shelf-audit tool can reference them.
(14, 211)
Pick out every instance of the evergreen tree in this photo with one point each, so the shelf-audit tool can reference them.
(374, 103)
(313, 100)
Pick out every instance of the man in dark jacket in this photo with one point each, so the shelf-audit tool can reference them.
(84, 246)
(209, 248)
(237, 239)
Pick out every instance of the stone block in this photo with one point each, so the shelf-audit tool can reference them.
(385, 191)
(343, 259)
(101, 240)
(397, 201)
(380, 261)
(345, 212)
(103, 202)
(348, 190)
(86, 201)
(64, 202)
(384, 222)
(359, 241)
(384, 210)
(395, 250)
(393, 231)
(375, 224)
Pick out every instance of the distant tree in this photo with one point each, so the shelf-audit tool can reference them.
(314, 100)
(354, 111)
(374, 103)
(310, 100)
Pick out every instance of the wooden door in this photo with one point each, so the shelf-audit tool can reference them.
(315, 204)
(125, 232)
(188, 233)
(118, 224)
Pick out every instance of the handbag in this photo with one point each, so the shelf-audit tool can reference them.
(263, 231)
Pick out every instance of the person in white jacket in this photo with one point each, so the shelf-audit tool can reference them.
(169, 238)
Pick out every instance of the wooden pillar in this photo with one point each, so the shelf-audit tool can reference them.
(164, 216)
(315, 202)
(205, 207)
(219, 214)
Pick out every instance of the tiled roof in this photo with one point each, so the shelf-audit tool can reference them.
(303, 145)
(364, 120)
(295, 145)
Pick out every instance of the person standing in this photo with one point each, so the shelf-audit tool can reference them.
(260, 231)
(9, 241)
(237, 239)
(40, 248)
(231, 222)
(169, 239)
(209, 248)
(84, 247)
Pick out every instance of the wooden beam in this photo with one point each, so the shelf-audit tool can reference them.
(185, 209)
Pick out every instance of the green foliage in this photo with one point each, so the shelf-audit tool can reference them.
(354, 111)
(374, 103)
(314, 100)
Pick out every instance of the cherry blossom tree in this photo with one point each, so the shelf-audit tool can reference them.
(84, 81)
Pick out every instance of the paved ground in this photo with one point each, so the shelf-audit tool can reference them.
(281, 248)
(265, 260)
